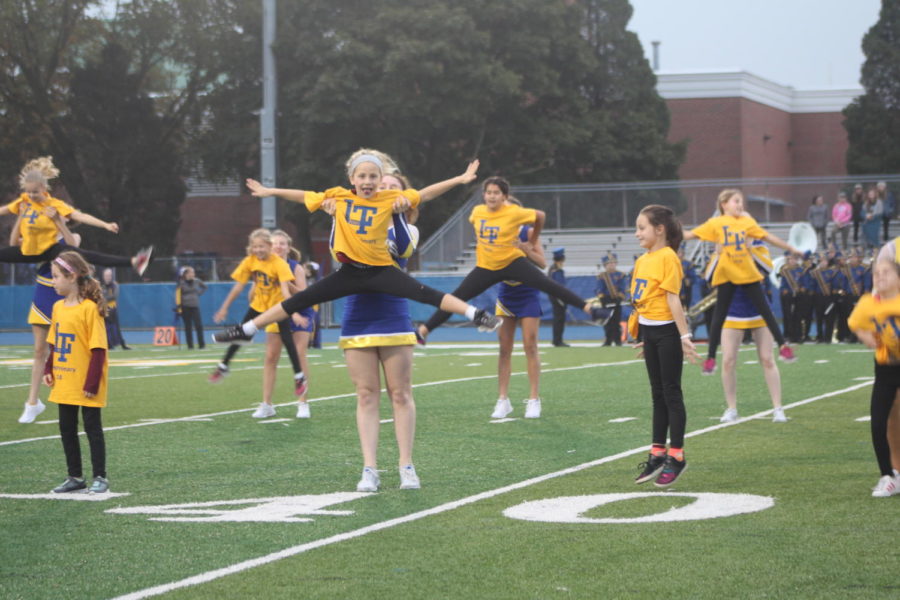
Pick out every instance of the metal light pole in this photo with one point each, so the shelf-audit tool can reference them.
(268, 151)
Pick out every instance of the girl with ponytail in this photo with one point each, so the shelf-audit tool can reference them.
(76, 369)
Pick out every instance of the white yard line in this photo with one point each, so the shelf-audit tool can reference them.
(301, 548)
(335, 397)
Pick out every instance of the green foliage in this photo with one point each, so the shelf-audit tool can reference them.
(873, 119)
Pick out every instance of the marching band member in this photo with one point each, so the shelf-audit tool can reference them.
(612, 292)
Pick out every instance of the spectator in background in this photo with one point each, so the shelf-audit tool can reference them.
(558, 274)
(872, 211)
(110, 290)
(187, 302)
(817, 215)
(842, 215)
(888, 206)
(858, 202)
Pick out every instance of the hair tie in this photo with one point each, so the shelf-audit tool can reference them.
(64, 265)
(366, 158)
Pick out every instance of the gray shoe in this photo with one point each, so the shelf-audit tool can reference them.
(486, 321)
(100, 485)
(71, 484)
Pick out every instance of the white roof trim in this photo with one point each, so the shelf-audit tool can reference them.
(741, 84)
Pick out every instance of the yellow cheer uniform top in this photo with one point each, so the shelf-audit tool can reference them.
(360, 227)
(74, 331)
(883, 318)
(267, 276)
(497, 232)
(655, 274)
(735, 263)
(38, 231)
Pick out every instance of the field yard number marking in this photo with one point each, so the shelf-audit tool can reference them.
(282, 509)
(568, 509)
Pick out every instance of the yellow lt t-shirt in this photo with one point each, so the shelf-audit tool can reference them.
(74, 331)
(267, 276)
(655, 274)
(38, 231)
(883, 318)
(735, 262)
(497, 232)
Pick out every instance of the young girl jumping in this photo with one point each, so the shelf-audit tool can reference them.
(76, 368)
(876, 321)
(498, 258)
(271, 275)
(659, 320)
(735, 268)
(38, 228)
(359, 241)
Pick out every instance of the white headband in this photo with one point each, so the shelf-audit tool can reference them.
(366, 158)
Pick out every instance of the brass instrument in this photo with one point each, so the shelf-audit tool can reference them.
(702, 306)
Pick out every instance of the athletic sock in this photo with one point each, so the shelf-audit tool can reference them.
(298, 375)
(657, 450)
(470, 312)
(249, 328)
(677, 453)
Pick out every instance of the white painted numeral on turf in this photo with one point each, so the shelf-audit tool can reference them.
(260, 510)
(568, 509)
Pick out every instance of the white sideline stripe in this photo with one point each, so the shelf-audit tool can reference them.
(335, 397)
(301, 548)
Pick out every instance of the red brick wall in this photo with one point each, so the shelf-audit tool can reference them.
(765, 141)
(712, 128)
(217, 224)
(820, 144)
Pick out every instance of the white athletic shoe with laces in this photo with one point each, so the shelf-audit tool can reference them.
(264, 411)
(730, 416)
(886, 486)
(408, 478)
(533, 408)
(778, 416)
(502, 408)
(32, 411)
(303, 410)
(369, 481)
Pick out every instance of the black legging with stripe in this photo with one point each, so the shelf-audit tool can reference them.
(93, 428)
(13, 254)
(664, 358)
(287, 340)
(724, 294)
(350, 279)
(884, 391)
(522, 270)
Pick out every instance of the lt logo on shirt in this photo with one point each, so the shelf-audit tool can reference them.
(31, 216)
(487, 232)
(735, 239)
(63, 344)
(366, 216)
(639, 286)
(261, 278)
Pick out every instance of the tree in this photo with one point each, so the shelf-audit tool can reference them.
(873, 120)
(540, 91)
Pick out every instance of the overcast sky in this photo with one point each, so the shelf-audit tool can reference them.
(806, 44)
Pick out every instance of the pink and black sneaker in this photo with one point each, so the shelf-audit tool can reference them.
(709, 366)
(672, 470)
(786, 354)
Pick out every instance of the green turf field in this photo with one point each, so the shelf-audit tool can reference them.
(273, 512)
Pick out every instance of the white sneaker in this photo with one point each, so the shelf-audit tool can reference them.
(408, 478)
(303, 410)
(533, 408)
(264, 411)
(730, 416)
(369, 481)
(32, 411)
(778, 416)
(887, 486)
(501, 409)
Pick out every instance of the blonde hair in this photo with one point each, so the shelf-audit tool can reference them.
(725, 196)
(259, 234)
(38, 170)
(82, 272)
(292, 252)
(387, 167)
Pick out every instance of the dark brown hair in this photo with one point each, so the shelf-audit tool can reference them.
(499, 182)
(663, 215)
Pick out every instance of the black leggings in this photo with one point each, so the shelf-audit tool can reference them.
(93, 427)
(887, 382)
(287, 340)
(724, 294)
(664, 356)
(522, 270)
(192, 321)
(355, 280)
(13, 254)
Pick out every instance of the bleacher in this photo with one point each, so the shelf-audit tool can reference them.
(585, 248)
